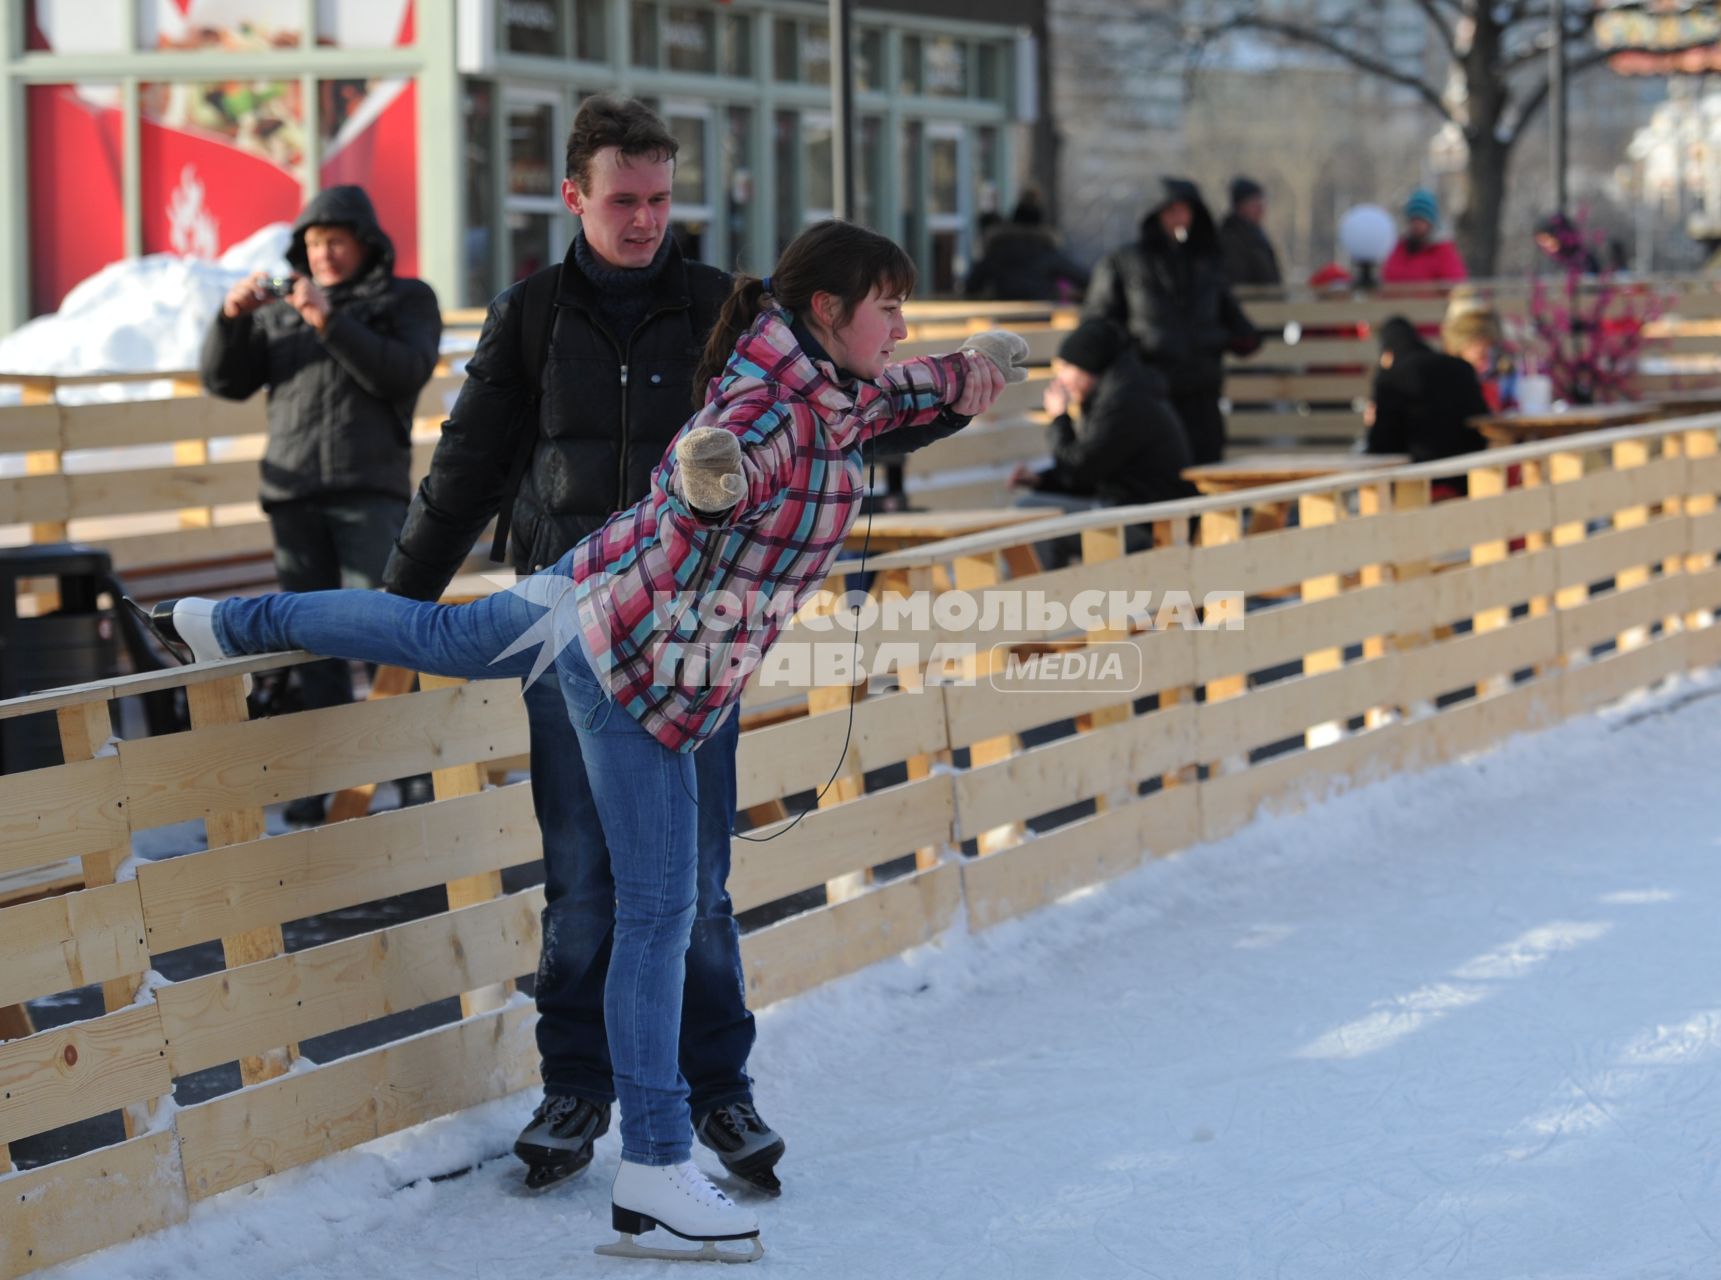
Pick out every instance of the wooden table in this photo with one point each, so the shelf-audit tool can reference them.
(1503, 429)
(1254, 470)
(894, 530)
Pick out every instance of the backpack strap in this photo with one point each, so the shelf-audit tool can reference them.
(537, 318)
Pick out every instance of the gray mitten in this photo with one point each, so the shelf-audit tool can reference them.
(708, 460)
(1009, 351)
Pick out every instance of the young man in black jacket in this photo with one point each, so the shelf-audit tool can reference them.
(614, 334)
(344, 355)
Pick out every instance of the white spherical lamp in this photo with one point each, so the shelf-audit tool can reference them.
(1367, 234)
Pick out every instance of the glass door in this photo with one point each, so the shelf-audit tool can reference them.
(949, 204)
(536, 227)
(695, 224)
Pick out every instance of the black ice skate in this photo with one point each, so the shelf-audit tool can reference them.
(680, 1199)
(557, 1144)
(748, 1147)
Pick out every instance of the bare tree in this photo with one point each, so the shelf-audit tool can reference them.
(1488, 75)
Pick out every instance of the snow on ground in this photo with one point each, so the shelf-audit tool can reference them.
(1464, 1023)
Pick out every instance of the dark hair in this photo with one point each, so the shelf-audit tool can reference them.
(607, 121)
(1400, 337)
(833, 257)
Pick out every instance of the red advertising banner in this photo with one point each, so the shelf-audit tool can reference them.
(218, 159)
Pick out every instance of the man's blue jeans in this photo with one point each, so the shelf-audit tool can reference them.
(644, 794)
(579, 916)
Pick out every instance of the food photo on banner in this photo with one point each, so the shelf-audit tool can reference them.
(218, 159)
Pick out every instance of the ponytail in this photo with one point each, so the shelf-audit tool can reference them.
(740, 309)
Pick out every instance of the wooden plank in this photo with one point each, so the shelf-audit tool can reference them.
(967, 495)
(1599, 495)
(1443, 598)
(130, 423)
(1298, 388)
(80, 1070)
(224, 1016)
(433, 399)
(1347, 312)
(1605, 554)
(1605, 617)
(1596, 683)
(1285, 708)
(1288, 783)
(205, 484)
(30, 428)
(1455, 662)
(1285, 632)
(253, 538)
(1292, 556)
(1445, 527)
(33, 499)
(1255, 422)
(976, 712)
(304, 873)
(191, 775)
(62, 943)
(994, 444)
(798, 755)
(61, 1211)
(240, 1137)
(805, 951)
(1044, 778)
(1028, 876)
(1479, 724)
(852, 836)
(1704, 531)
(64, 811)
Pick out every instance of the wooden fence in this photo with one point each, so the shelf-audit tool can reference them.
(1382, 632)
(194, 503)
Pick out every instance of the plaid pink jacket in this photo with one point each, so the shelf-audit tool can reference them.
(675, 611)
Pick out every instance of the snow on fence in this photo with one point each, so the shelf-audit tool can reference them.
(1380, 631)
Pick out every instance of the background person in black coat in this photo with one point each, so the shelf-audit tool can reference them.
(344, 357)
(1249, 255)
(1022, 259)
(1168, 289)
(1122, 444)
(1422, 400)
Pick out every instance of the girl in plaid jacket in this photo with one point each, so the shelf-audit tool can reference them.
(653, 622)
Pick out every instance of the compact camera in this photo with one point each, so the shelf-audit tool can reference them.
(277, 286)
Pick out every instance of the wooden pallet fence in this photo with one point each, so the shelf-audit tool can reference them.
(1380, 632)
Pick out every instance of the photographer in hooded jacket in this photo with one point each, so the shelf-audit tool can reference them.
(343, 354)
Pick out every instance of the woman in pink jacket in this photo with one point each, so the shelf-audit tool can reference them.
(653, 623)
(1418, 258)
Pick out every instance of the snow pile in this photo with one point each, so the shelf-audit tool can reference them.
(138, 315)
(1464, 1022)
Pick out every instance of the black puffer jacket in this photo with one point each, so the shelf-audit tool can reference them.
(1173, 297)
(1423, 400)
(1249, 255)
(1024, 263)
(340, 402)
(598, 436)
(1128, 446)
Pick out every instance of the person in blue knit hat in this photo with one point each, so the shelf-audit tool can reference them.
(1419, 258)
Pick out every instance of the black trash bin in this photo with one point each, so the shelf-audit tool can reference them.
(74, 644)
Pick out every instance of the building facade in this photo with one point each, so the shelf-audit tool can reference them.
(185, 125)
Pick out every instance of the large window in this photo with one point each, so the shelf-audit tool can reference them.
(536, 222)
(554, 28)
